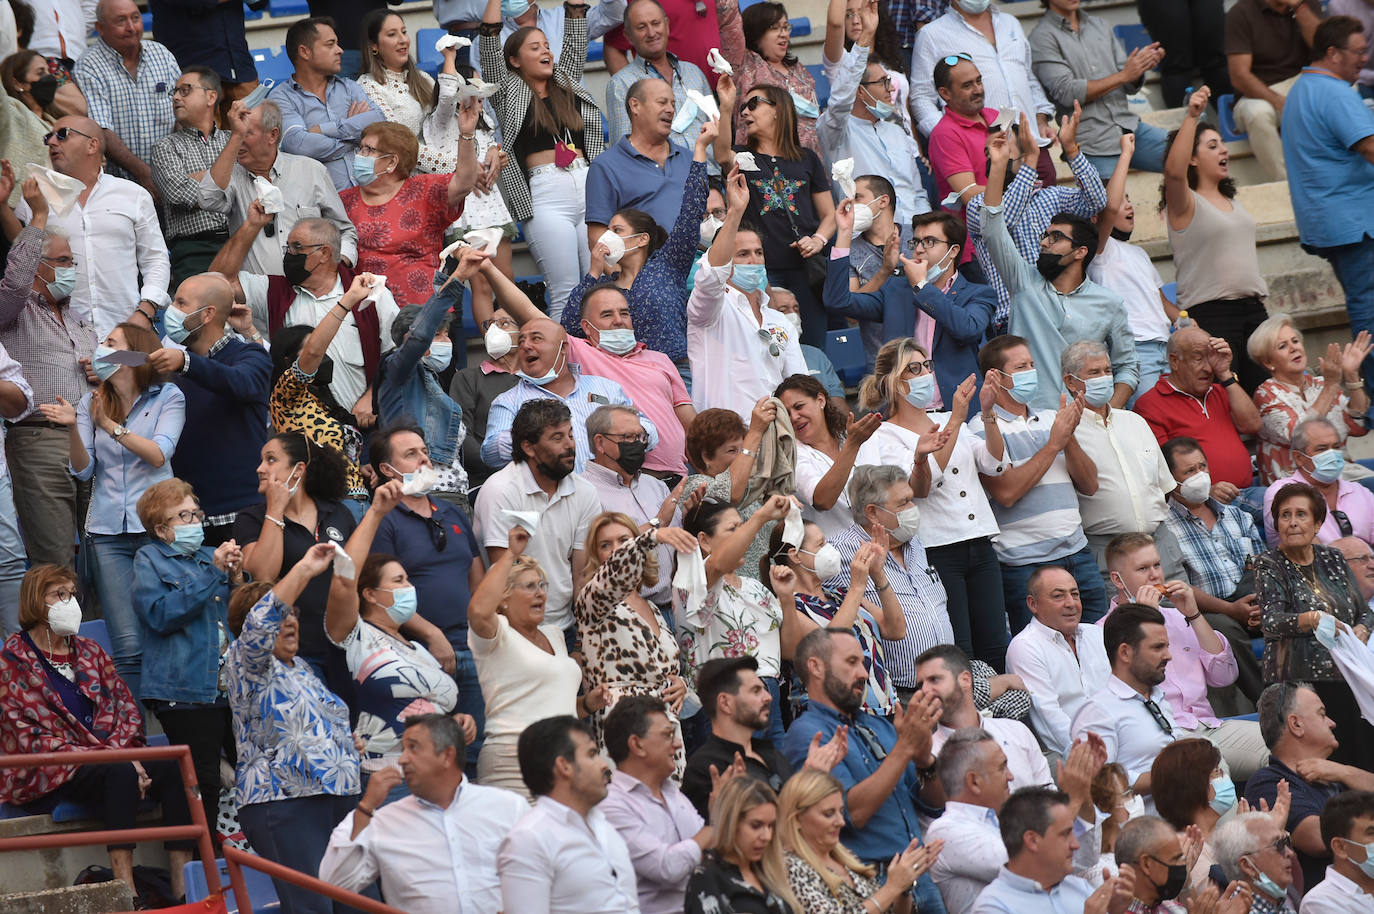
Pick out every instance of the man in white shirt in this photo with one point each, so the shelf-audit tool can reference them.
(944, 672)
(397, 842)
(112, 219)
(739, 348)
(664, 832)
(539, 480)
(1347, 825)
(61, 28)
(564, 857)
(1060, 659)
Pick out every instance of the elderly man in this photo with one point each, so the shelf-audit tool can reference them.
(1347, 825)
(739, 348)
(1152, 848)
(859, 123)
(880, 498)
(396, 842)
(313, 281)
(112, 218)
(1060, 658)
(1253, 849)
(180, 161)
(1200, 398)
(225, 381)
(1301, 739)
(323, 114)
(1319, 460)
(1268, 43)
(888, 773)
(1201, 659)
(1132, 477)
(1035, 500)
(51, 345)
(1357, 554)
(647, 29)
(128, 83)
(1054, 303)
(251, 152)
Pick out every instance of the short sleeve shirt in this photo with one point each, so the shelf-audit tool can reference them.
(437, 567)
(779, 197)
(1272, 39)
(1324, 119)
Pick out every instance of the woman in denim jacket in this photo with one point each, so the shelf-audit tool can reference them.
(181, 596)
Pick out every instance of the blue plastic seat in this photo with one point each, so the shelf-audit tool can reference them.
(282, 8)
(426, 58)
(1170, 290)
(147, 22)
(817, 72)
(97, 632)
(261, 892)
(846, 352)
(1226, 119)
(273, 64)
(596, 50)
(1133, 37)
(801, 26)
(251, 14)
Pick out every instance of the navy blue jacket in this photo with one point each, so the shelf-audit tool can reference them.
(962, 318)
(207, 33)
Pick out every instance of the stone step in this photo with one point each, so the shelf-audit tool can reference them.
(98, 898)
(55, 868)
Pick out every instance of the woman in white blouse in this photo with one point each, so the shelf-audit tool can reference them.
(957, 525)
(827, 445)
(522, 664)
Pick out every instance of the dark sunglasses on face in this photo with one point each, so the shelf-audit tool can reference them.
(756, 101)
(62, 134)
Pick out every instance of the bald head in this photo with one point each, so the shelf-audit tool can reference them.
(1190, 369)
(543, 345)
(120, 25)
(205, 300)
(1360, 558)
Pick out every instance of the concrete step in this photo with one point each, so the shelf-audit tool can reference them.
(99, 898)
(55, 868)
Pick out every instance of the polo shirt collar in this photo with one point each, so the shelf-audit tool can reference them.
(650, 70)
(1011, 416)
(531, 487)
(1062, 22)
(1169, 389)
(1022, 883)
(673, 150)
(965, 122)
(490, 367)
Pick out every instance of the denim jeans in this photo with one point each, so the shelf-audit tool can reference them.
(973, 585)
(1354, 267)
(114, 582)
(470, 701)
(294, 832)
(1080, 564)
(12, 561)
(1148, 156)
(774, 731)
(1153, 362)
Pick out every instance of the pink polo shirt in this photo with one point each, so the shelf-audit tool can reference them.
(959, 144)
(651, 380)
(1190, 671)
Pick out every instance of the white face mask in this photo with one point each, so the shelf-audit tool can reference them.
(1195, 488)
(1135, 807)
(64, 617)
(863, 218)
(498, 342)
(709, 226)
(795, 320)
(617, 247)
(908, 521)
(825, 561)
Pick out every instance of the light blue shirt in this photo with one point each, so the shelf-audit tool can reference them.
(337, 140)
(1050, 320)
(686, 75)
(1013, 894)
(1326, 177)
(587, 396)
(121, 476)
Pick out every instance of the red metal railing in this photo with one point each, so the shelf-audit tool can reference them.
(199, 830)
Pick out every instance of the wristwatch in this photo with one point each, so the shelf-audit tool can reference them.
(1228, 382)
(119, 431)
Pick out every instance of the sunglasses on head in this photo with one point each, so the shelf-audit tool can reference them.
(758, 100)
(954, 59)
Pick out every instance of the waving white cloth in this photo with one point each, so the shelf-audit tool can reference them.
(61, 191)
(1353, 658)
(842, 173)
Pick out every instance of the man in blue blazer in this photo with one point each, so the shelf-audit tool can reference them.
(930, 300)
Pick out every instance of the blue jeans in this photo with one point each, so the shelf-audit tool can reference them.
(1150, 142)
(1080, 564)
(470, 701)
(12, 560)
(1153, 362)
(294, 832)
(1354, 267)
(114, 582)
(973, 585)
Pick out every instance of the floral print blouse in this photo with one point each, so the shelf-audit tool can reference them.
(752, 70)
(401, 238)
(731, 622)
(1281, 407)
(815, 896)
(1285, 590)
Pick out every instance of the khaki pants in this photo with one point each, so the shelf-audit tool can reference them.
(1242, 748)
(1260, 120)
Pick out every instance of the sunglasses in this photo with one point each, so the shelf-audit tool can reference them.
(767, 336)
(63, 134)
(438, 536)
(954, 59)
(1159, 717)
(756, 101)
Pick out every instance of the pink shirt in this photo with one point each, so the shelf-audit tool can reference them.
(1352, 499)
(959, 144)
(651, 380)
(1190, 671)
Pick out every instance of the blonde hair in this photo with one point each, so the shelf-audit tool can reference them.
(733, 802)
(1266, 335)
(522, 564)
(803, 790)
(605, 519)
(877, 390)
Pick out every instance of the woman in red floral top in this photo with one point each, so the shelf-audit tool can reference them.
(401, 217)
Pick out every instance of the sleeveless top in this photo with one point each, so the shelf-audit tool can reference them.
(1215, 255)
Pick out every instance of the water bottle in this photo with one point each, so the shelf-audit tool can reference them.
(1183, 320)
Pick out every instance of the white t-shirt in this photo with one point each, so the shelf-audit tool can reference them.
(1129, 272)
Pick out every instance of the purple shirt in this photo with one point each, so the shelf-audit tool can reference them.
(659, 835)
(1352, 499)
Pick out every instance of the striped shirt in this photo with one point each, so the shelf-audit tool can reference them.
(175, 157)
(1214, 559)
(1044, 524)
(918, 589)
(137, 108)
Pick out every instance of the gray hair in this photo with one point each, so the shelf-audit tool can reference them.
(1302, 434)
(444, 732)
(270, 118)
(603, 417)
(1263, 337)
(1235, 839)
(322, 231)
(52, 233)
(1138, 836)
(1073, 359)
(819, 642)
(868, 485)
(961, 753)
(1276, 702)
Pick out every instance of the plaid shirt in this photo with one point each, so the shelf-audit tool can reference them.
(910, 15)
(1214, 559)
(138, 109)
(175, 157)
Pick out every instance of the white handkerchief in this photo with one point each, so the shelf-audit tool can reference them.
(343, 565)
(1007, 119)
(425, 479)
(378, 286)
(718, 63)
(530, 521)
(705, 103)
(792, 528)
(452, 41)
(476, 88)
(486, 240)
(685, 115)
(452, 250)
(61, 191)
(842, 173)
(691, 577)
(269, 195)
(745, 161)
(952, 199)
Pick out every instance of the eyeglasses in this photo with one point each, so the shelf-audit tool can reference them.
(532, 586)
(293, 247)
(186, 90)
(642, 438)
(372, 151)
(717, 213)
(782, 28)
(926, 242)
(64, 593)
(757, 100)
(885, 81)
(504, 323)
(766, 335)
(1054, 236)
(920, 368)
(1359, 559)
(63, 134)
(438, 536)
(1159, 717)
(59, 261)
(953, 59)
(188, 517)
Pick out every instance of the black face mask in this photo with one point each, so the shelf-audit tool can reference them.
(294, 269)
(631, 456)
(1121, 235)
(1049, 266)
(44, 89)
(555, 471)
(1178, 877)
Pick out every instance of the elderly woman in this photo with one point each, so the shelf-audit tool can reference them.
(627, 646)
(522, 664)
(1299, 585)
(757, 44)
(825, 876)
(1294, 394)
(401, 216)
(743, 870)
(828, 444)
(181, 595)
(298, 771)
(59, 692)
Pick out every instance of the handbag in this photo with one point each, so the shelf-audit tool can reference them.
(815, 265)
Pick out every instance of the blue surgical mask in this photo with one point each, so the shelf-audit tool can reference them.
(1225, 794)
(188, 538)
(805, 106)
(1367, 864)
(879, 109)
(175, 323)
(1097, 391)
(364, 169)
(1024, 384)
(616, 341)
(512, 9)
(548, 376)
(440, 354)
(937, 272)
(1327, 466)
(103, 370)
(920, 390)
(750, 277)
(63, 283)
(1269, 886)
(403, 603)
